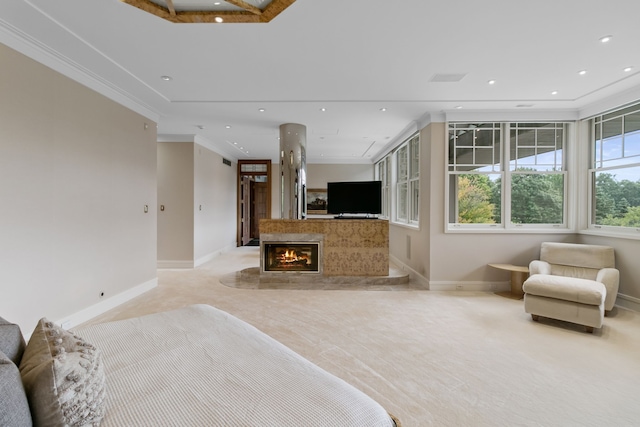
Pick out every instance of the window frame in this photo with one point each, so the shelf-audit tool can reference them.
(598, 164)
(383, 174)
(506, 173)
(411, 149)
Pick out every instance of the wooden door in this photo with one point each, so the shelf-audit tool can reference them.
(259, 196)
(245, 211)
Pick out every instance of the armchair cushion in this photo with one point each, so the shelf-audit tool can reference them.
(578, 255)
(572, 282)
(582, 291)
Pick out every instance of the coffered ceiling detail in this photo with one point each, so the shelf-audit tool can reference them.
(209, 11)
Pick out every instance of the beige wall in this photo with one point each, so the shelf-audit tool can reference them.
(627, 256)
(76, 170)
(199, 195)
(175, 193)
(446, 260)
(214, 204)
(449, 259)
(318, 175)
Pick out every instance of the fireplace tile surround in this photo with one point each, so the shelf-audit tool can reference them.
(350, 247)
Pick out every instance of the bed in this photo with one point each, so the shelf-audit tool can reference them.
(194, 366)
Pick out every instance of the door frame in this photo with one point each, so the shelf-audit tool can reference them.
(251, 169)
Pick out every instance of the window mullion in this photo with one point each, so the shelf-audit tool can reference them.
(506, 174)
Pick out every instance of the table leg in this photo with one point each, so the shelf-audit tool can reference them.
(517, 279)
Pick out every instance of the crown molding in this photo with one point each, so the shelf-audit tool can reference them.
(36, 50)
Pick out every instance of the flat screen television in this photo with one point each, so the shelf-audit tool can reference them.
(354, 197)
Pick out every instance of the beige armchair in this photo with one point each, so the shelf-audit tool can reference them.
(572, 282)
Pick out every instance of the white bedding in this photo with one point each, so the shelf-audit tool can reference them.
(200, 366)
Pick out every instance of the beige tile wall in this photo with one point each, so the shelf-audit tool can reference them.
(352, 247)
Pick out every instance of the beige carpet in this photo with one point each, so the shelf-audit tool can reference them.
(433, 358)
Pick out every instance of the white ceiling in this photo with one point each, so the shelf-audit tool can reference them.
(352, 57)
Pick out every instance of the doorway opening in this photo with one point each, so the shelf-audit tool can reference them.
(254, 199)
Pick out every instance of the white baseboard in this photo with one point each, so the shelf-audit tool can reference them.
(413, 275)
(196, 263)
(445, 285)
(175, 264)
(628, 302)
(211, 256)
(106, 305)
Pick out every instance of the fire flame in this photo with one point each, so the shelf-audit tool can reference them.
(290, 256)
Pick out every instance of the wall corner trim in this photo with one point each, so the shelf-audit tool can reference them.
(414, 275)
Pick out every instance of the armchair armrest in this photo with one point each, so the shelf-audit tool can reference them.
(539, 267)
(610, 278)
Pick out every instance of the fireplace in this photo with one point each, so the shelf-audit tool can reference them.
(301, 257)
(290, 253)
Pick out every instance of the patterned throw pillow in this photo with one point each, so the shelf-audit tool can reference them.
(63, 376)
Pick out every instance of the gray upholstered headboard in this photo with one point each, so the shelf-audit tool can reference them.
(11, 341)
(14, 410)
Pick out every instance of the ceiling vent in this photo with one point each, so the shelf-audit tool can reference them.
(447, 78)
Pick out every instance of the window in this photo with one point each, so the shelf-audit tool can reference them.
(530, 191)
(407, 184)
(537, 176)
(475, 173)
(615, 170)
(399, 172)
(383, 174)
(402, 179)
(414, 179)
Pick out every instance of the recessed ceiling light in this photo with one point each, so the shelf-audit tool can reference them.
(323, 109)
(228, 126)
(626, 70)
(166, 78)
(383, 109)
(555, 92)
(262, 110)
(217, 3)
(235, 143)
(218, 19)
(605, 39)
(491, 82)
(458, 107)
(582, 72)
